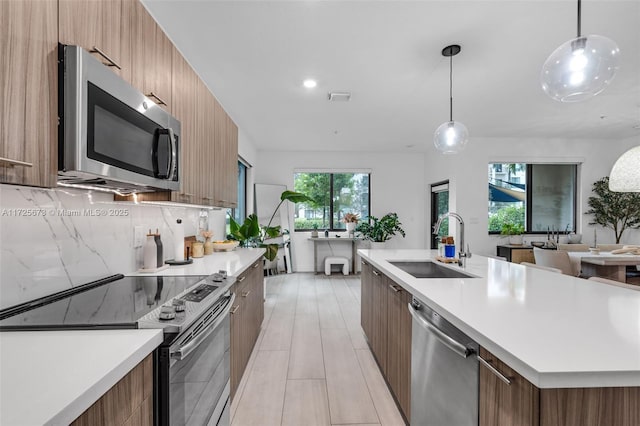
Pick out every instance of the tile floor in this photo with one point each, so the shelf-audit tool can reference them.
(311, 364)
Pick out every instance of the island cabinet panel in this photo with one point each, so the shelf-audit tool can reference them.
(247, 314)
(28, 92)
(399, 324)
(590, 407)
(502, 404)
(96, 26)
(129, 402)
(387, 324)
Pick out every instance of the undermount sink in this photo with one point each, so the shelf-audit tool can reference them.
(427, 269)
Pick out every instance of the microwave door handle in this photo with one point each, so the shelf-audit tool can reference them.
(174, 155)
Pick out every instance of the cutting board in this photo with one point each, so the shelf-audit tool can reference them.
(447, 259)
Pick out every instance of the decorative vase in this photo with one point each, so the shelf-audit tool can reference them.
(351, 227)
(208, 246)
(515, 240)
(197, 249)
(377, 245)
(314, 233)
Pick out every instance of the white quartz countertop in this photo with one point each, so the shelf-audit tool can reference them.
(555, 330)
(234, 262)
(51, 377)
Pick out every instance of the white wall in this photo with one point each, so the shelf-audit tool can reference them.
(467, 173)
(397, 185)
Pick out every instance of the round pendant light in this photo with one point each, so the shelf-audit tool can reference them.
(625, 174)
(580, 68)
(452, 136)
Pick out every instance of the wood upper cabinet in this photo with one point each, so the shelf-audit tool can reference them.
(29, 92)
(94, 25)
(506, 404)
(147, 54)
(399, 325)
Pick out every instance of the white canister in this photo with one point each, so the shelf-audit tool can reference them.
(150, 252)
(178, 241)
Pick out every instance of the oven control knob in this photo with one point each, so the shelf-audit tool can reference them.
(179, 305)
(167, 313)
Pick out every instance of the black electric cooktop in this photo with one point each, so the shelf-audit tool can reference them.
(118, 302)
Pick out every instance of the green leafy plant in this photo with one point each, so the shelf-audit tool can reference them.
(252, 234)
(380, 230)
(314, 226)
(512, 229)
(616, 210)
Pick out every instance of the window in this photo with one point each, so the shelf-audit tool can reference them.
(334, 195)
(240, 212)
(540, 197)
(439, 206)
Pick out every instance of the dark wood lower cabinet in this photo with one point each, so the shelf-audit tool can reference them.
(387, 324)
(129, 402)
(247, 314)
(522, 404)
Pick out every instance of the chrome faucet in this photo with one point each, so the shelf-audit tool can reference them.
(462, 254)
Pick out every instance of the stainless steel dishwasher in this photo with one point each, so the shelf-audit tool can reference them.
(444, 371)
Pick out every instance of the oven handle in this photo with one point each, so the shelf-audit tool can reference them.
(184, 351)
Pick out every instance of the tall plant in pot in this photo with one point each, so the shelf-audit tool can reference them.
(618, 211)
(380, 230)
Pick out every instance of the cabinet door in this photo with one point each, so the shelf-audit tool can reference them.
(366, 298)
(522, 255)
(378, 340)
(29, 92)
(399, 345)
(95, 26)
(224, 159)
(502, 404)
(236, 350)
(147, 54)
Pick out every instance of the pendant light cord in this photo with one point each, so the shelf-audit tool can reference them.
(451, 88)
(579, 18)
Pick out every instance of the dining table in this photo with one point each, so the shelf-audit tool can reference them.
(603, 264)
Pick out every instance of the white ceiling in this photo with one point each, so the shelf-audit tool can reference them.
(254, 56)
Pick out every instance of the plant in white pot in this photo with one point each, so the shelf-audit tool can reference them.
(514, 231)
(380, 230)
(350, 221)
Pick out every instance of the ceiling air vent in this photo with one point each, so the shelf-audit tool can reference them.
(339, 96)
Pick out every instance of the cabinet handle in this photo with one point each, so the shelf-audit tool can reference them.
(153, 95)
(242, 279)
(363, 263)
(246, 293)
(234, 309)
(494, 370)
(110, 62)
(206, 198)
(395, 288)
(256, 265)
(376, 273)
(7, 162)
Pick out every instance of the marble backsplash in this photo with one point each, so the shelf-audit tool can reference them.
(52, 240)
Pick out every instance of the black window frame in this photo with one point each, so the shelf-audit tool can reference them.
(529, 199)
(331, 227)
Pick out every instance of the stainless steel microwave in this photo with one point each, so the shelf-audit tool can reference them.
(111, 136)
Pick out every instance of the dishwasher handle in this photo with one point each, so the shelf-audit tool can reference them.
(446, 340)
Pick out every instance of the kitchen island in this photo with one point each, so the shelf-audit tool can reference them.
(569, 340)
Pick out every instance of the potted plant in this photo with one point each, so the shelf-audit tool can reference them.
(514, 231)
(350, 221)
(615, 210)
(314, 233)
(380, 230)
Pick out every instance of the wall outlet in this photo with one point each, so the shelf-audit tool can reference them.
(138, 236)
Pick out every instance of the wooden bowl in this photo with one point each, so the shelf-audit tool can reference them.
(225, 245)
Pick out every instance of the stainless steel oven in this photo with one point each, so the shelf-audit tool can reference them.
(194, 371)
(111, 135)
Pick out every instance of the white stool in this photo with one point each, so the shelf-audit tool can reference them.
(336, 260)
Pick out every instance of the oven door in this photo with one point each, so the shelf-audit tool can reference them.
(199, 370)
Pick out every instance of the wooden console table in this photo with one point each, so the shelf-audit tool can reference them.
(516, 254)
(327, 240)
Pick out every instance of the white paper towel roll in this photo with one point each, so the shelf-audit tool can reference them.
(178, 235)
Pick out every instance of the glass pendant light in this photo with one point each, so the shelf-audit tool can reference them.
(580, 68)
(625, 174)
(452, 136)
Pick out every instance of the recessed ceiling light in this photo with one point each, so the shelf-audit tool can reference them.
(309, 83)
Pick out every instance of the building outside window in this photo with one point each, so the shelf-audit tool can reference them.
(334, 195)
(540, 197)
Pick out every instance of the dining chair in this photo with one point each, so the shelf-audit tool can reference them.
(616, 283)
(545, 268)
(555, 259)
(573, 247)
(609, 247)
